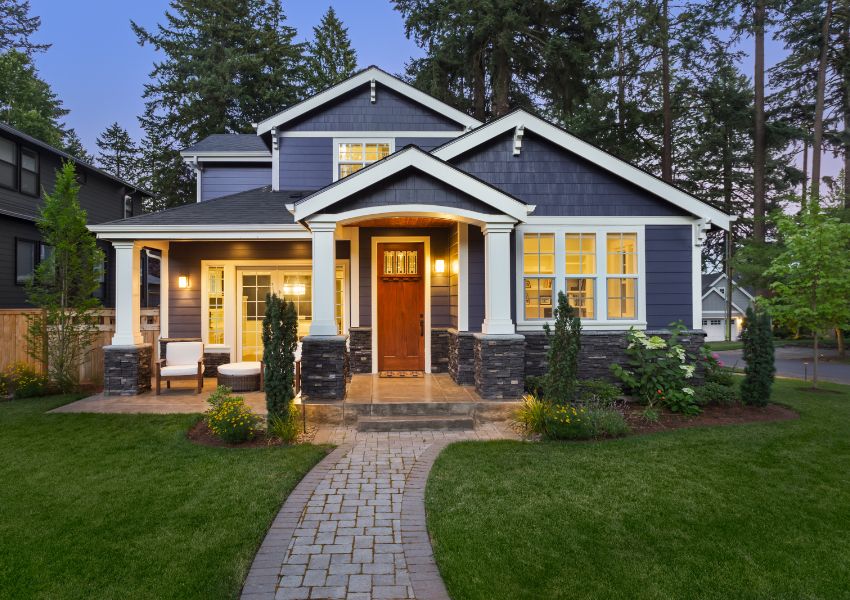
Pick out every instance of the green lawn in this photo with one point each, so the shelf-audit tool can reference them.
(123, 506)
(748, 511)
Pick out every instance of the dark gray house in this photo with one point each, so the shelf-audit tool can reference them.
(411, 237)
(28, 166)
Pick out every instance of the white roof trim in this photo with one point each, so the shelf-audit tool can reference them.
(351, 217)
(599, 157)
(235, 153)
(366, 77)
(121, 231)
(425, 162)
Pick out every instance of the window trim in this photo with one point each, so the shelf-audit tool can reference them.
(357, 140)
(36, 262)
(600, 277)
(15, 166)
(37, 172)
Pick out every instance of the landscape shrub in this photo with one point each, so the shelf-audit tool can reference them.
(531, 414)
(598, 393)
(717, 394)
(657, 371)
(608, 423)
(280, 340)
(568, 422)
(285, 428)
(559, 383)
(758, 356)
(714, 369)
(534, 385)
(24, 381)
(231, 419)
(220, 394)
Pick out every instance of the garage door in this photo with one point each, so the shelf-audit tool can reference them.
(716, 329)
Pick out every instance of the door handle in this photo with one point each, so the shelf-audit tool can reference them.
(422, 325)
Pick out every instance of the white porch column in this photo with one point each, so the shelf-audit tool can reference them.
(497, 279)
(127, 331)
(324, 279)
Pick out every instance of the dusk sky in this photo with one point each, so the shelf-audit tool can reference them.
(98, 70)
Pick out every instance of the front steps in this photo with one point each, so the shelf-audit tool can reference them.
(410, 416)
(427, 423)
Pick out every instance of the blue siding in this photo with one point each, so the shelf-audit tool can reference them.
(390, 112)
(476, 278)
(427, 144)
(559, 182)
(223, 181)
(306, 163)
(669, 290)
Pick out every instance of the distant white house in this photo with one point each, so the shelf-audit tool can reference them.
(714, 289)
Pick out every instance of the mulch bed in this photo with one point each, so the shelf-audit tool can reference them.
(710, 415)
(200, 434)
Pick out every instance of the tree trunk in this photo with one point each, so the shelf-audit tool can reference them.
(805, 175)
(759, 143)
(727, 204)
(666, 109)
(479, 90)
(820, 92)
(621, 79)
(839, 340)
(815, 364)
(729, 275)
(501, 82)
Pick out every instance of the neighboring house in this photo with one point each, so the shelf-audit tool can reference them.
(412, 237)
(714, 288)
(27, 167)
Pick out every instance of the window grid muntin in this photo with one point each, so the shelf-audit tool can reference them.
(624, 275)
(354, 155)
(215, 310)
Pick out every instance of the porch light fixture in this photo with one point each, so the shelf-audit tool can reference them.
(183, 282)
(439, 266)
(294, 289)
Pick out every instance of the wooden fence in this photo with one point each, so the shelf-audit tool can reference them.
(13, 339)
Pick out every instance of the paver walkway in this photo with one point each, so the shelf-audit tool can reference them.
(355, 526)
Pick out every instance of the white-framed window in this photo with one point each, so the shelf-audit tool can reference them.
(600, 269)
(716, 322)
(351, 155)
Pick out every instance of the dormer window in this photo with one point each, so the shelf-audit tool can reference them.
(353, 155)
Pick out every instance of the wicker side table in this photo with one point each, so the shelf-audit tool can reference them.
(241, 376)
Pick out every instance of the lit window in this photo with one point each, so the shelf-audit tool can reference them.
(215, 296)
(297, 288)
(622, 275)
(580, 253)
(538, 262)
(353, 156)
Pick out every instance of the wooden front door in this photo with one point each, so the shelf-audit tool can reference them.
(401, 306)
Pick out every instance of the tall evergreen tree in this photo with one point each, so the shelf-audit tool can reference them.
(227, 63)
(330, 57)
(17, 27)
(27, 102)
(118, 154)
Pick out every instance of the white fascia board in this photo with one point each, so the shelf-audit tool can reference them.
(560, 220)
(193, 159)
(293, 231)
(356, 81)
(599, 157)
(425, 162)
(371, 134)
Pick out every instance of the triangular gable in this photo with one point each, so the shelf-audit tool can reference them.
(365, 77)
(410, 157)
(521, 120)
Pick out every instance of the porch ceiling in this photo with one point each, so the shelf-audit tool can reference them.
(404, 222)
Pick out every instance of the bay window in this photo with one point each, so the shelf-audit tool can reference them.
(597, 267)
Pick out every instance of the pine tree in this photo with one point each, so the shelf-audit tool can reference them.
(17, 26)
(759, 367)
(561, 379)
(27, 102)
(330, 58)
(118, 153)
(280, 339)
(73, 145)
(227, 63)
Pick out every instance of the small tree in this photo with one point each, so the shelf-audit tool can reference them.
(64, 284)
(559, 384)
(811, 277)
(280, 338)
(757, 336)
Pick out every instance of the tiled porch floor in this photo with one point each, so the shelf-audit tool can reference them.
(439, 387)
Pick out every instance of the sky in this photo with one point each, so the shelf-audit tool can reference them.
(98, 69)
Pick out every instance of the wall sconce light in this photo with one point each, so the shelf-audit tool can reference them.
(183, 282)
(439, 266)
(455, 267)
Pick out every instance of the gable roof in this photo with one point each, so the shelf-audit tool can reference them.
(406, 158)
(228, 142)
(710, 283)
(365, 76)
(86, 165)
(597, 156)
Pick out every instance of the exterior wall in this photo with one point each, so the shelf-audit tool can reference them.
(558, 182)
(306, 163)
(454, 279)
(390, 112)
(669, 275)
(221, 181)
(412, 187)
(476, 278)
(440, 289)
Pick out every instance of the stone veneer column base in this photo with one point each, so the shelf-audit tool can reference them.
(462, 356)
(323, 367)
(360, 349)
(499, 366)
(439, 350)
(127, 369)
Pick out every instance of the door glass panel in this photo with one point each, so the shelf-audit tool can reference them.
(255, 288)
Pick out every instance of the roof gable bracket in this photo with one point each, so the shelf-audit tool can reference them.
(701, 231)
(518, 133)
(372, 91)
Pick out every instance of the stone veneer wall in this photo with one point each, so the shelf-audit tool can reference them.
(213, 359)
(323, 367)
(127, 369)
(599, 349)
(499, 366)
(462, 356)
(439, 350)
(360, 349)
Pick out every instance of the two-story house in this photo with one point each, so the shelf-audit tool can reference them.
(411, 237)
(28, 167)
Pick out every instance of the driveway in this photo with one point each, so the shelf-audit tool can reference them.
(792, 361)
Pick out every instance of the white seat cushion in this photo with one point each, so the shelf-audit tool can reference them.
(184, 353)
(297, 353)
(239, 368)
(178, 370)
